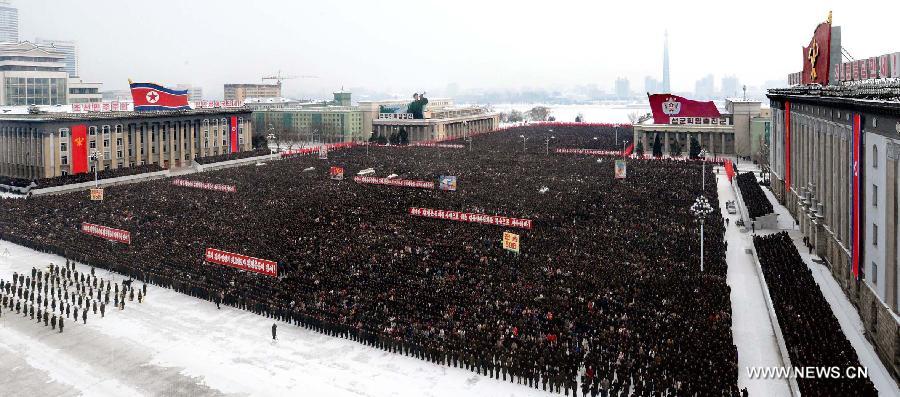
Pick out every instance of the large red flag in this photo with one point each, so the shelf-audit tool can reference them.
(79, 149)
(665, 106)
(855, 211)
(154, 97)
(817, 57)
(234, 134)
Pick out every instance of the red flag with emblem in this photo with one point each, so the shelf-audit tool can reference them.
(79, 149)
(665, 106)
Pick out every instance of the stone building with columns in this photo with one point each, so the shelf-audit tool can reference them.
(40, 145)
(728, 135)
(447, 123)
(810, 149)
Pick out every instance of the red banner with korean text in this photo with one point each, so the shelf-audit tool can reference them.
(394, 182)
(787, 146)
(856, 153)
(234, 134)
(79, 149)
(470, 217)
(117, 235)
(205, 185)
(243, 262)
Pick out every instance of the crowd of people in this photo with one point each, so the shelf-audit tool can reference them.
(57, 294)
(233, 156)
(606, 296)
(755, 199)
(812, 334)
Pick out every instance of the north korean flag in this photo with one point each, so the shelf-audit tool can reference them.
(152, 97)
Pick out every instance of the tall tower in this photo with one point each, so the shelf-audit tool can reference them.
(665, 81)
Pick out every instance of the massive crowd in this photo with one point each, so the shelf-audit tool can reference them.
(755, 199)
(80, 178)
(606, 295)
(812, 334)
(233, 156)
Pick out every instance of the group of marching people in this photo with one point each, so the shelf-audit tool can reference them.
(604, 298)
(58, 293)
(754, 198)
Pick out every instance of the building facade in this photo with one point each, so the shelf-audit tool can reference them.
(728, 135)
(239, 92)
(811, 165)
(31, 75)
(311, 124)
(81, 91)
(195, 93)
(447, 123)
(41, 145)
(9, 22)
(68, 48)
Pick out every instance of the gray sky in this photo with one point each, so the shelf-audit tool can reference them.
(402, 46)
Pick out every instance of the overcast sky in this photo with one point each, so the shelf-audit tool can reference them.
(404, 46)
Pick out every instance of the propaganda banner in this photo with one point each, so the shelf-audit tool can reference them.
(323, 152)
(620, 169)
(394, 182)
(79, 144)
(817, 56)
(447, 182)
(440, 145)
(856, 153)
(96, 194)
(234, 134)
(594, 152)
(242, 262)
(470, 217)
(108, 233)
(511, 242)
(336, 173)
(205, 185)
(665, 106)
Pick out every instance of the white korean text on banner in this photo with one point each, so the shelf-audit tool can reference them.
(205, 185)
(117, 235)
(336, 173)
(243, 262)
(470, 217)
(394, 182)
(96, 194)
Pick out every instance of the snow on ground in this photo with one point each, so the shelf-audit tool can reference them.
(750, 323)
(846, 313)
(176, 345)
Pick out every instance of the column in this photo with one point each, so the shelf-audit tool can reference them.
(890, 205)
(193, 138)
(171, 140)
(160, 138)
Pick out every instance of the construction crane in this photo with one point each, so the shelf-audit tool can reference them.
(278, 77)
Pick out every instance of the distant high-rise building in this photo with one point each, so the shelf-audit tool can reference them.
(653, 86)
(9, 22)
(731, 87)
(623, 90)
(65, 47)
(239, 92)
(666, 83)
(195, 93)
(35, 78)
(705, 88)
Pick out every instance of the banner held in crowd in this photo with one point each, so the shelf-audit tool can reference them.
(205, 185)
(511, 242)
(108, 233)
(243, 262)
(621, 170)
(394, 182)
(97, 194)
(448, 182)
(336, 173)
(471, 217)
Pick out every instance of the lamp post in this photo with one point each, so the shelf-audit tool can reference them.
(523, 142)
(547, 143)
(701, 209)
(617, 133)
(273, 137)
(95, 158)
(703, 154)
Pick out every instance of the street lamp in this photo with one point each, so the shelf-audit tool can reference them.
(523, 142)
(701, 209)
(547, 143)
(703, 154)
(617, 133)
(273, 137)
(95, 158)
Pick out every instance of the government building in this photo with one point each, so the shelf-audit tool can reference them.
(38, 142)
(833, 162)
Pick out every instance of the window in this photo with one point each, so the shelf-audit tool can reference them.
(105, 130)
(63, 132)
(92, 131)
(875, 234)
(875, 195)
(64, 160)
(874, 273)
(874, 156)
(118, 141)
(93, 145)
(63, 147)
(106, 143)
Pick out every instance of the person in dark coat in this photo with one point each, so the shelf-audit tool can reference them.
(274, 331)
